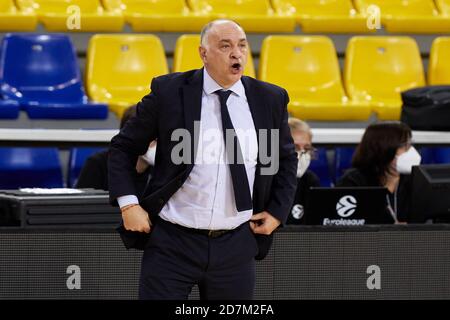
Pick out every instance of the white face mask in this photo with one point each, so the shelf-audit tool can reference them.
(304, 159)
(149, 156)
(407, 160)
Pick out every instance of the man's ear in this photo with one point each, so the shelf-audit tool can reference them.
(202, 52)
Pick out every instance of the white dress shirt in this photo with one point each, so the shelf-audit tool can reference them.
(206, 199)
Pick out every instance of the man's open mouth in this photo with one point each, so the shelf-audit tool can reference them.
(236, 66)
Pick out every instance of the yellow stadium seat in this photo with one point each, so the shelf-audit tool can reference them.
(252, 15)
(186, 56)
(330, 16)
(74, 15)
(443, 6)
(13, 19)
(120, 68)
(307, 67)
(159, 15)
(439, 64)
(378, 69)
(417, 16)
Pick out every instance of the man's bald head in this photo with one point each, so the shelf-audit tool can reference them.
(212, 27)
(224, 51)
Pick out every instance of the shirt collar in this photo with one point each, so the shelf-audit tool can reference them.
(210, 85)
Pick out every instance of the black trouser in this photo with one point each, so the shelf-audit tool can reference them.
(177, 258)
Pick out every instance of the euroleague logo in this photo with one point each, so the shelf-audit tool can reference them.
(346, 206)
(297, 211)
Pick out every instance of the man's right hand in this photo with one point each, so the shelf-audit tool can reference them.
(136, 219)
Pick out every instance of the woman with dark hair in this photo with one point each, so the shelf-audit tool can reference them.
(385, 158)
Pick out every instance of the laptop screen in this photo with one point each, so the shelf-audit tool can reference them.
(348, 206)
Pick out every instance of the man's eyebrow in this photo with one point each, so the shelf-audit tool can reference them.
(229, 40)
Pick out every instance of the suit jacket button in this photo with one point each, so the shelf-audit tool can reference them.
(161, 200)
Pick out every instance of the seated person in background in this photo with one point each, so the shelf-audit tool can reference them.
(94, 173)
(385, 157)
(302, 136)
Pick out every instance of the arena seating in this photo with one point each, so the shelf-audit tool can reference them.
(342, 160)
(307, 67)
(320, 166)
(9, 109)
(443, 6)
(252, 15)
(417, 16)
(120, 67)
(304, 65)
(442, 155)
(324, 16)
(268, 16)
(76, 161)
(435, 155)
(439, 65)
(41, 73)
(162, 15)
(378, 69)
(55, 15)
(13, 18)
(30, 167)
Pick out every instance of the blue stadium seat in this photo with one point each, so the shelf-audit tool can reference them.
(320, 167)
(41, 72)
(427, 154)
(9, 109)
(442, 155)
(77, 158)
(342, 160)
(30, 167)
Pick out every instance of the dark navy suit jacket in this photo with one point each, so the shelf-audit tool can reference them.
(175, 102)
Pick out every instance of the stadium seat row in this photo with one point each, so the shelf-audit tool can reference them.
(40, 75)
(119, 69)
(23, 167)
(331, 16)
(41, 167)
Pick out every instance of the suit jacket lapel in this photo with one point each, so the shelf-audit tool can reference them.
(261, 120)
(258, 109)
(192, 102)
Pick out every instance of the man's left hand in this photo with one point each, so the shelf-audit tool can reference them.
(264, 223)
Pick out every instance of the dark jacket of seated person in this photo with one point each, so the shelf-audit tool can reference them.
(94, 173)
(385, 158)
(308, 180)
(302, 136)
